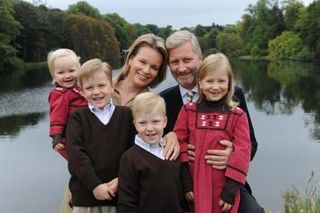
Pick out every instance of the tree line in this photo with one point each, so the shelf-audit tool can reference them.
(288, 30)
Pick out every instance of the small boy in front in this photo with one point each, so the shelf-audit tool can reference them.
(97, 137)
(147, 182)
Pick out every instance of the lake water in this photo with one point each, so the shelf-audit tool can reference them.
(284, 104)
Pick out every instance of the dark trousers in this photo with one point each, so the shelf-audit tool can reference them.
(248, 203)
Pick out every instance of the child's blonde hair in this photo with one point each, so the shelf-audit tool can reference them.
(60, 53)
(148, 102)
(92, 66)
(216, 62)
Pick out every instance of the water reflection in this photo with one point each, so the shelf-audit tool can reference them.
(12, 125)
(35, 76)
(281, 87)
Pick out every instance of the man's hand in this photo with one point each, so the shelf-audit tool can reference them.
(191, 152)
(189, 196)
(219, 158)
(171, 146)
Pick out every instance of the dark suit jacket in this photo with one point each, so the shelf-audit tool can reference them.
(174, 102)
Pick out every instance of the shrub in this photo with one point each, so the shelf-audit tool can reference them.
(284, 46)
(296, 202)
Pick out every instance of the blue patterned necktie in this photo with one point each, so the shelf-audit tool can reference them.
(190, 95)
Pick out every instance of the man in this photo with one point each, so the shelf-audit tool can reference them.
(185, 57)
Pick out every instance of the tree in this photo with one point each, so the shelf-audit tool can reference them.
(120, 26)
(52, 20)
(84, 8)
(153, 28)
(309, 29)
(285, 46)
(208, 41)
(132, 31)
(244, 25)
(92, 38)
(267, 23)
(33, 43)
(292, 9)
(199, 31)
(9, 30)
(211, 37)
(230, 44)
(164, 32)
(142, 29)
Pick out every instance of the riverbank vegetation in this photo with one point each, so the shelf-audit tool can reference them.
(297, 202)
(287, 30)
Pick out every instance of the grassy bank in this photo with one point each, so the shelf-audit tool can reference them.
(307, 202)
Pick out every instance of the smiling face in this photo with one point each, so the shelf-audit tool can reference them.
(97, 89)
(215, 85)
(144, 66)
(65, 71)
(184, 64)
(150, 126)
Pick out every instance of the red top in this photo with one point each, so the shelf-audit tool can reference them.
(204, 129)
(62, 101)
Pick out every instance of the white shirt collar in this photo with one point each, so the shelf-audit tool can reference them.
(103, 115)
(155, 149)
(94, 109)
(183, 92)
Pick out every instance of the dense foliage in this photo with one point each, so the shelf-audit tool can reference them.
(9, 30)
(289, 31)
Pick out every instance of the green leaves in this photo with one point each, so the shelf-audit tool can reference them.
(9, 30)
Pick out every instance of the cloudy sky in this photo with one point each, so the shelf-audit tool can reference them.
(177, 13)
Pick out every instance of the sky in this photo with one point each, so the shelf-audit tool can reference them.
(177, 13)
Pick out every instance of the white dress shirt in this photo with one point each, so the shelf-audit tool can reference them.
(155, 149)
(103, 115)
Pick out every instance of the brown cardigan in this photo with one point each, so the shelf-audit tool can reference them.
(148, 183)
(94, 151)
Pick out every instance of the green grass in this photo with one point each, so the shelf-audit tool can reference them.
(308, 202)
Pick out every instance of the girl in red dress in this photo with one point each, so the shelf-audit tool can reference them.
(214, 118)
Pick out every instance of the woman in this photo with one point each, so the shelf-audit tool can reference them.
(144, 68)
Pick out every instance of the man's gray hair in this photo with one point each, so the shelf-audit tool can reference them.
(180, 37)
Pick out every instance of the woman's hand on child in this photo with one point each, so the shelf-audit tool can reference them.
(219, 158)
(225, 207)
(171, 146)
(190, 196)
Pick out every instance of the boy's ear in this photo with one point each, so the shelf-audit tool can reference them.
(134, 123)
(165, 121)
(201, 57)
(112, 88)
